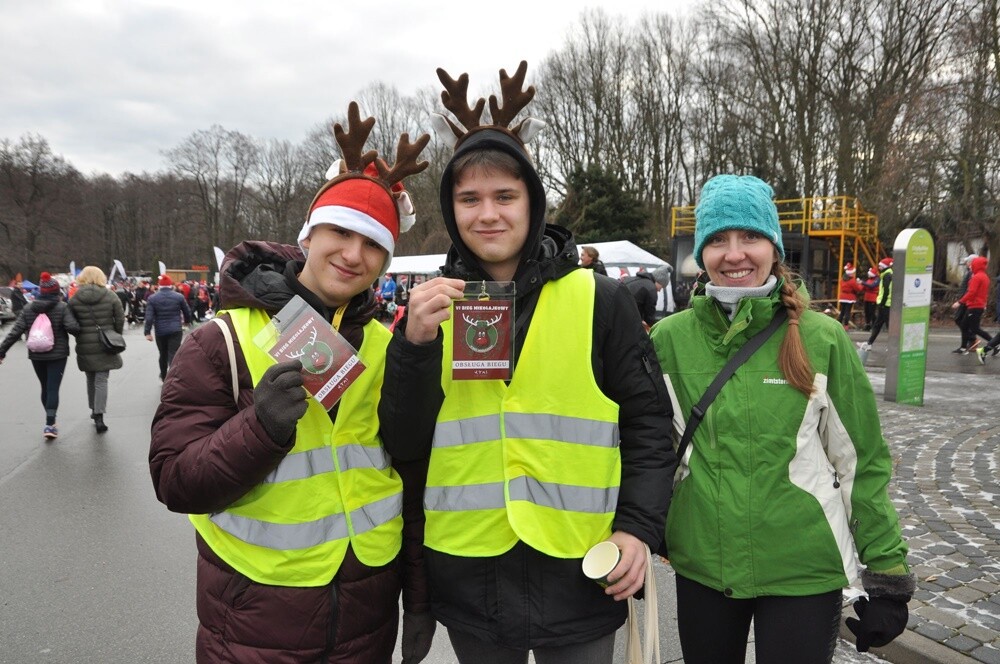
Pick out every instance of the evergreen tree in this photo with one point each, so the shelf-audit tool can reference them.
(598, 208)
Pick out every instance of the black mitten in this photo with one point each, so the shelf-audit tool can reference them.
(881, 620)
(418, 635)
(280, 400)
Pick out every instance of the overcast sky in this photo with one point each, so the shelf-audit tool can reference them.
(111, 84)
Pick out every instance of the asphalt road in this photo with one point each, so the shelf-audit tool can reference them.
(94, 569)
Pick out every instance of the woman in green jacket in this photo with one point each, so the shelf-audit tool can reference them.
(783, 485)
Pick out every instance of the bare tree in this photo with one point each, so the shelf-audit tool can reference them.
(217, 163)
(584, 93)
(663, 76)
(280, 190)
(42, 196)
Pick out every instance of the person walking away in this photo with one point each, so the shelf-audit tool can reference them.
(883, 303)
(590, 258)
(168, 312)
(94, 306)
(645, 288)
(784, 483)
(49, 365)
(305, 529)
(123, 297)
(850, 288)
(526, 475)
(974, 302)
(663, 275)
(870, 285)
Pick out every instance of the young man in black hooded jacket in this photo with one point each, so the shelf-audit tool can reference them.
(511, 513)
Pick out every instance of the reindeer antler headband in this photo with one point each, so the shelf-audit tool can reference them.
(363, 193)
(514, 98)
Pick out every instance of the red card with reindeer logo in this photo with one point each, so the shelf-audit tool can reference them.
(483, 345)
(329, 362)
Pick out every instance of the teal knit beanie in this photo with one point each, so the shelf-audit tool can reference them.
(735, 201)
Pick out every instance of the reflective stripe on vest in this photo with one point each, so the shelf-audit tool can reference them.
(335, 487)
(313, 462)
(537, 460)
(489, 496)
(291, 536)
(527, 425)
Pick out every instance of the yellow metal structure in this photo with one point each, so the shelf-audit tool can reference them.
(849, 229)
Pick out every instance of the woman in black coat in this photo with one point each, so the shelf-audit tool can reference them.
(95, 306)
(51, 364)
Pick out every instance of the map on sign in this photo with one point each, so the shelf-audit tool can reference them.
(914, 337)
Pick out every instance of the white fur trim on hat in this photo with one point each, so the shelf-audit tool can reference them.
(352, 220)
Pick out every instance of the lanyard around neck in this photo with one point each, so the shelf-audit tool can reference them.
(338, 316)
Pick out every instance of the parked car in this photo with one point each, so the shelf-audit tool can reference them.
(6, 310)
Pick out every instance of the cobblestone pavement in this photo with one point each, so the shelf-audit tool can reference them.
(946, 488)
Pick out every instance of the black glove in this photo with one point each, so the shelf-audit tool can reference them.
(418, 633)
(882, 620)
(280, 400)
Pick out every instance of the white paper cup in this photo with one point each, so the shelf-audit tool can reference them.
(600, 560)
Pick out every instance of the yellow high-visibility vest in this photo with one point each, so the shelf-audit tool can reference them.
(537, 460)
(335, 487)
(882, 286)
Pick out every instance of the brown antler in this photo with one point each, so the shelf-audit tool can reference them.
(352, 141)
(455, 98)
(406, 160)
(514, 99)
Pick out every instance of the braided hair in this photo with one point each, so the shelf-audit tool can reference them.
(792, 357)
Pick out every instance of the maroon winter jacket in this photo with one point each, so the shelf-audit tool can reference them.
(206, 453)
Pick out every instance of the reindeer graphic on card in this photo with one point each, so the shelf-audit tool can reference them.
(329, 362)
(482, 346)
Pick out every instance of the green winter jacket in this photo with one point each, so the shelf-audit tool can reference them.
(774, 486)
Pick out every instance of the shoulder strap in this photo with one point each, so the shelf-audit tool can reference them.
(741, 356)
(228, 336)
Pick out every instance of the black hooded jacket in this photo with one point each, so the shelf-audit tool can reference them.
(524, 598)
(643, 289)
(64, 323)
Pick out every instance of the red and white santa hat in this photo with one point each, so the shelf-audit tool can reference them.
(849, 269)
(885, 263)
(360, 203)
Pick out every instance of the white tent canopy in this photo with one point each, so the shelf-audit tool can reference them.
(427, 264)
(625, 254)
(624, 258)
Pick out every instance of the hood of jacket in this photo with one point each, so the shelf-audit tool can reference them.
(263, 275)
(90, 294)
(45, 303)
(979, 264)
(646, 275)
(549, 251)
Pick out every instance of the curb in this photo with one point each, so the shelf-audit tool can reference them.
(912, 648)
